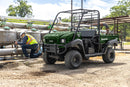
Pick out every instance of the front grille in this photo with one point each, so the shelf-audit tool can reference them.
(54, 48)
(50, 48)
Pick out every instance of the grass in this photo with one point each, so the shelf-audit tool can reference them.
(128, 39)
(25, 21)
(127, 43)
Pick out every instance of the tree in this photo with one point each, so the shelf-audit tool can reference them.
(21, 9)
(121, 9)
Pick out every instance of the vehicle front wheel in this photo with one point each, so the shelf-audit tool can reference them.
(109, 57)
(73, 59)
(47, 59)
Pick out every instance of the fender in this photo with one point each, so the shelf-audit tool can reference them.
(111, 43)
(75, 43)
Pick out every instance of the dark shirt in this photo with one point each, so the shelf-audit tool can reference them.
(24, 40)
(107, 27)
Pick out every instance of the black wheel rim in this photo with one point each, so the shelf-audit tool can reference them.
(112, 55)
(76, 61)
(51, 60)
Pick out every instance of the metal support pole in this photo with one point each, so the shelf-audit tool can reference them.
(71, 14)
(91, 21)
(81, 4)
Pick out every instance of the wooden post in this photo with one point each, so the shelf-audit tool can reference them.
(125, 26)
(117, 27)
(114, 26)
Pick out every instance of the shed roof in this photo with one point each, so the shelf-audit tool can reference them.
(112, 20)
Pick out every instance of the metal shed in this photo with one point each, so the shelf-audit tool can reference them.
(115, 21)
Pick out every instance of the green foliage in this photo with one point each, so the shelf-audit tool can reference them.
(17, 21)
(25, 21)
(128, 32)
(127, 38)
(121, 9)
(11, 10)
(66, 20)
(21, 9)
(127, 43)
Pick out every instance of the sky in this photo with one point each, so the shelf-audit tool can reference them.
(47, 9)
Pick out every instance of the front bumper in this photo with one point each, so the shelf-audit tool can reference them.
(55, 48)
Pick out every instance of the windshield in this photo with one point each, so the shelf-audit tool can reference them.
(75, 20)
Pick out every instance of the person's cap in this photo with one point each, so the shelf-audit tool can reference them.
(22, 33)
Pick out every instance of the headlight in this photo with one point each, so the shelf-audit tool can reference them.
(62, 40)
(44, 40)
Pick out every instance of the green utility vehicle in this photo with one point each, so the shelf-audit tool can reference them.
(81, 39)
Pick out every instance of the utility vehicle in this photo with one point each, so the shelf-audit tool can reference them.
(81, 39)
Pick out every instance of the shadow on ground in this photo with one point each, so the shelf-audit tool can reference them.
(8, 65)
(62, 69)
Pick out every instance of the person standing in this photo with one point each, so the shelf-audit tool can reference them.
(29, 42)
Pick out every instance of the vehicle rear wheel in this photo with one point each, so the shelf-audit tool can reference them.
(47, 59)
(109, 57)
(73, 59)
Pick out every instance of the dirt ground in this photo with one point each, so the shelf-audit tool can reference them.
(92, 73)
